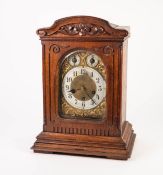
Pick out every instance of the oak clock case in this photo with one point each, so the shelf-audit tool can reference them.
(84, 89)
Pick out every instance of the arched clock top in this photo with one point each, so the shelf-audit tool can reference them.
(83, 27)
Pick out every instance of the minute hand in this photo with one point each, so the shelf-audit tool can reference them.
(88, 95)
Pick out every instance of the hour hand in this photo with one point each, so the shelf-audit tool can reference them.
(73, 90)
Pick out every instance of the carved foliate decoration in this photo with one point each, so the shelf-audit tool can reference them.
(81, 29)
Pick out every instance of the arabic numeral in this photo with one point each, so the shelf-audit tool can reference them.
(67, 87)
(76, 101)
(83, 71)
(98, 80)
(83, 104)
(99, 88)
(75, 73)
(97, 96)
(92, 102)
(69, 95)
(69, 79)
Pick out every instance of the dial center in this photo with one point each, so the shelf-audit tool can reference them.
(84, 87)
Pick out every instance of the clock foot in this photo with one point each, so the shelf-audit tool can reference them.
(101, 146)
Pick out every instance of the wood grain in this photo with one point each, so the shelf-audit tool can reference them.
(109, 147)
(111, 137)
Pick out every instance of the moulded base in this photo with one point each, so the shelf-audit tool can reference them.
(109, 147)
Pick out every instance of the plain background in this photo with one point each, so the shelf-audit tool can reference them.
(21, 85)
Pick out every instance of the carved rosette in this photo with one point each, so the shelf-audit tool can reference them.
(81, 29)
(107, 50)
(56, 48)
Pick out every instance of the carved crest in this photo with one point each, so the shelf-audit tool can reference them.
(82, 27)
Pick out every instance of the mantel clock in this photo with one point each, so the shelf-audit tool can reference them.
(84, 89)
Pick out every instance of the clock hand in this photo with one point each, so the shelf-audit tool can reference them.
(84, 88)
(73, 90)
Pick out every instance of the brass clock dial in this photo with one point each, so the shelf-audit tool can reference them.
(83, 85)
(84, 89)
